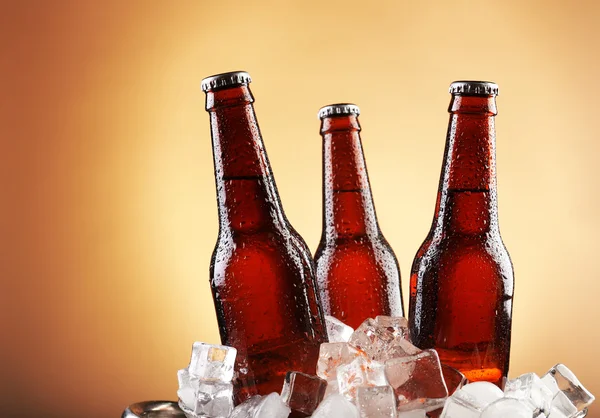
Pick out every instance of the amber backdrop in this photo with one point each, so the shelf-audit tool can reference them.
(108, 213)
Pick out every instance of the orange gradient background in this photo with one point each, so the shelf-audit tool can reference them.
(108, 214)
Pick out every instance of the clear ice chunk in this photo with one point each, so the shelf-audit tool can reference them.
(303, 392)
(530, 389)
(212, 362)
(271, 406)
(397, 325)
(189, 412)
(187, 389)
(561, 379)
(417, 381)
(337, 331)
(376, 402)
(336, 406)
(558, 414)
(333, 355)
(455, 407)
(383, 338)
(399, 348)
(481, 393)
(376, 374)
(351, 376)
(248, 408)
(469, 401)
(360, 372)
(507, 408)
(332, 388)
(371, 338)
(562, 406)
(213, 399)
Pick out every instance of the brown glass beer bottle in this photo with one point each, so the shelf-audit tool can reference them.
(461, 285)
(357, 272)
(261, 272)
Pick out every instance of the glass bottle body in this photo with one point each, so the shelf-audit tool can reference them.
(462, 282)
(357, 271)
(261, 272)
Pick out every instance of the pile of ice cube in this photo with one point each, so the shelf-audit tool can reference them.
(205, 387)
(378, 369)
(558, 394)
(376, 372)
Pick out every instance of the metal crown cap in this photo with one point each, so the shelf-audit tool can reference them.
(339, 109)
(234, 78)
(474, 88)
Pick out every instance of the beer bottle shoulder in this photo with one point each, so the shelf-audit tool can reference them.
(240, 253)
(484, 254)
(356, 252)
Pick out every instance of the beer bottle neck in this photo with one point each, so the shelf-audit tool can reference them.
(467, 201)
(348, 209)
(246, 193)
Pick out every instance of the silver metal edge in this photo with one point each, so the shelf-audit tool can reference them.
(476, 88)
(338, 109)
(232, 78)
(136, 410)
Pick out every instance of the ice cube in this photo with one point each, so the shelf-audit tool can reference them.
(247, 408)
(332, 388)
(415, 413)
(189, 412)
(398, 348)
(376, 374)
(303, 392)
(417, 381)
(371, 338)
(562, 407)
(212, 362)
(383, 339)
(333, 355)
(376, 402)
(469, 401)
(528, 388)
(561, 379)
(397, 325)
(337, 331)
(187, 389)
(558, 414)
(360, 372)
(214, 399)
(336, 406)
(351, 376)
(455, 407)
(271, 406)
(481, 393)
(507, 407)
(453, 378)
